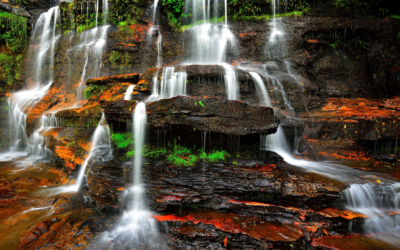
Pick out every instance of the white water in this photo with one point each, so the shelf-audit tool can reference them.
(20, 104)
(376, 201)
(136, 224)
(363, 196)
(44, 38)
(92, 42)
(159, 50)
(172, 84)
(101, 137)
(261, 89)
(128, 93)
(231, 83)
(211, 43)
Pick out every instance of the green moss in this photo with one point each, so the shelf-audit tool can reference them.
(214, 156)
(93, 90)
(79, 23)
(10, 67)
(125, 12)
(122, 140)
(14, 30)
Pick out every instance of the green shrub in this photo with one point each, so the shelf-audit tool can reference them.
(93, 90)
(122, 140)
(14, 30)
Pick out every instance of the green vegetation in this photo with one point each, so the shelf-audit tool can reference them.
(122, 140)
(184, 157)
(126, 12)
(14, 31)
(174, 10)
(93, 90)
(10, 65)
(79, 23)
(14, 34)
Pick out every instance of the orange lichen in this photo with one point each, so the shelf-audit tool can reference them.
(234, 223)
(245, 34)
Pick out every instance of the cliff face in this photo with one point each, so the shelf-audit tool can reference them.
(333, 86)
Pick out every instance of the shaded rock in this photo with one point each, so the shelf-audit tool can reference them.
(212, 114)
(131, 78)
(272, 157)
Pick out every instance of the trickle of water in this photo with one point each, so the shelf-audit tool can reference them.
(137, 224)
(159, 50)
(92, 42)
(231, 84)
(128, 94)
(101, 138)
(261, 89)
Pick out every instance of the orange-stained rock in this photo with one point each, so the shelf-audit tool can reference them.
(234, 224)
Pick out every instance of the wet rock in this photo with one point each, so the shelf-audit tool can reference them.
(386, 157)
(212, 114)
(272, 157)
(130, 78)
(206, 114)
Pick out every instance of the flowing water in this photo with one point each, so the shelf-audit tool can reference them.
(128, 93)
(363, 196)
(172, 84)
(100, 145)
(43, 40)
(137, 223)
(92, 42)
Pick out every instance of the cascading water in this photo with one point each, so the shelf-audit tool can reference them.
(92, 42)
(159, 37)
(172, 84)
(100, 144)
(261, 89)
(159, 50)
(20, 104)
(212, 43)
(137, 223)
(128, 94)
(371, 199)
(44, 38)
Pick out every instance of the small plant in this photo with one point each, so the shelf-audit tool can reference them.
(93, 90)
(122, 140)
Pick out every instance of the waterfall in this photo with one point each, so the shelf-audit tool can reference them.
(46, 32)
(92, 42)
(159, 50)
(20, 104)
(128, 93)
(101, 141)
(136, 224)
(231, 83)
(139, 127)
(376, 201)
(172, 84)
(261, 89)
(372, 200)
(212, 43)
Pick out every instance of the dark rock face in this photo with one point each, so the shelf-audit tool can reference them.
(212, 114)
(128, 78)
(206, 114)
